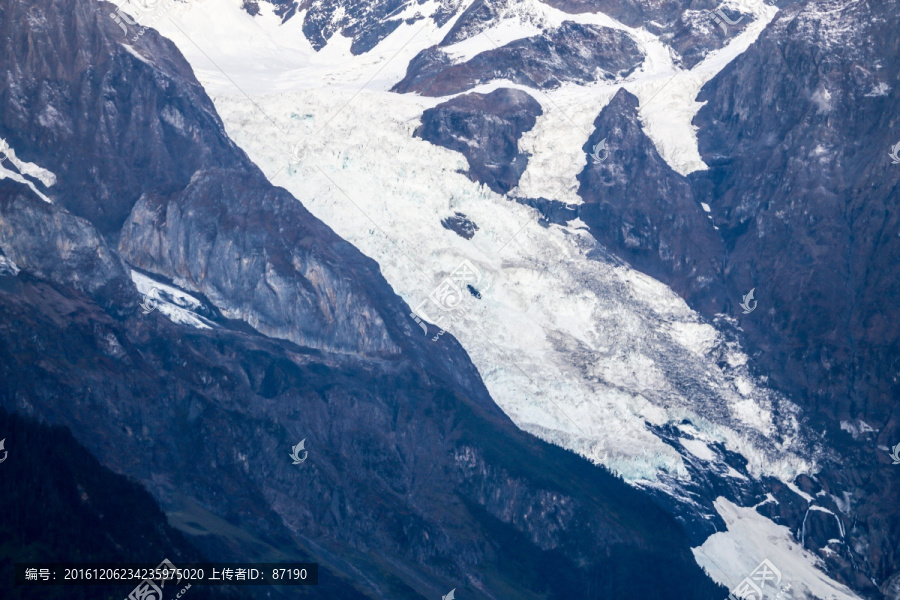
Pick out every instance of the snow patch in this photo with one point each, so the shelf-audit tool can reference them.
(731, 555)
(793, 487)
(8, 267)
(172, 302)
(882, 89)
(857, 429)
(9, 161)
(698, 449)
(136, 54)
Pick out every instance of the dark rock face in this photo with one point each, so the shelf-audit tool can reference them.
(415, 481)
(294, 282)
(366, 22)
(251, 7)
(461, 225)
(486, 129)
(161, 153)
(816, 233)
(62, 505)
(634, 202)
(693, 35)
(153, 123)
(572, 52)
(475, 19)
(59, 245)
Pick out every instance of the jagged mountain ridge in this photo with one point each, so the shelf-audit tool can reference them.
(61, 505)
(415, 481)
(571, 52)
(685, 26)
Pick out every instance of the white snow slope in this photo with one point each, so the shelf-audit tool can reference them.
(585, 353)
(172, 302)
(750, 539)
(16, 169)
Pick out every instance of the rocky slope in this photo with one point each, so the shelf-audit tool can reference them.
(486, 128)
(415, 482)
(635, 202)
(570, 52)
(61, 505)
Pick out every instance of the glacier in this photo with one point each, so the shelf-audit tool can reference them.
(575, 346)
